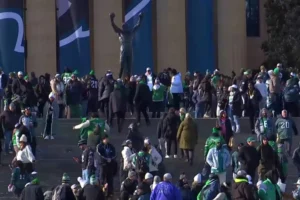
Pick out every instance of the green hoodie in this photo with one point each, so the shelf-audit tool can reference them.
(211, 142)
(142, 154)
(85, 132)
(158, 93)
(267, 190)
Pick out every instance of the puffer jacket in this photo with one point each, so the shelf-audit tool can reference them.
(242, 190)
(176, 84)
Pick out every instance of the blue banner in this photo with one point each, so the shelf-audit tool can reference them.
(252, 18)
(200, 35)
(142, 42)
(74, 35)
(12, 57)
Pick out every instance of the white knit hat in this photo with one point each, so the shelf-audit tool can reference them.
(146, 141)
(23, 138)
(198, 178)
(168, 176)
(148, 175)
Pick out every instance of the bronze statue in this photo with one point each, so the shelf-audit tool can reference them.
(125, 37)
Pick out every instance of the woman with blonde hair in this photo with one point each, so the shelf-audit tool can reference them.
(187, 137)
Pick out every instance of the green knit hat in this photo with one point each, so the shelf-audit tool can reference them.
(93, 180)
(92, 72)
(65, 178)
(276, 71)
(215, 130)
(26, 78)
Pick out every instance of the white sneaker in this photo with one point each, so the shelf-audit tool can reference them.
(52, 138)
(175, 156)
(46, 137)
(167, 156)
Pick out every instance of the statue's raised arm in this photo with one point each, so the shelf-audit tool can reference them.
(138, 24)
(115, 27)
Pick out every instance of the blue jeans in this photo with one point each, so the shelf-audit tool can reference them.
(8, 138)
(234, 119)
(199, 110)
(85, 175)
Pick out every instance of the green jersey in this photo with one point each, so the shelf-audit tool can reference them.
(85, 132)
(66, 77)
(284, 128)
(211, 143)
(14, 138)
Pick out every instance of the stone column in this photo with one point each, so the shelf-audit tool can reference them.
(232, 38)
(171, 35)
(41, 36)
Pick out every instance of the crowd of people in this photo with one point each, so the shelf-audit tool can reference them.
(267, 98)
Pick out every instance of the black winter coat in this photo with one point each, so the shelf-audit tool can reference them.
(142, 95)
(116, 101)
(91, 192)
(252, 104)
(131, 92)
(170, 126)
(249, 158)
(32, 192)
(237, 104)
(66, 192)
(106, 87)
(296, 157)
(160, 132)
(242, 190)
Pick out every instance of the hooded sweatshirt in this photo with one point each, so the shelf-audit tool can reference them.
(264, 125)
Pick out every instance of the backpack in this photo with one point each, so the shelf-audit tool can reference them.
(56, 194)
(142, 164)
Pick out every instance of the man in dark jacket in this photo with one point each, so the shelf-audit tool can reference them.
(135, 137)
(32, 190)
(108, 163)
(87, 160)
(160, 132)
(249, 158)
(128, 186)
(92, 92)
(64, 191)
(8, 119)
(142, 100)
(116, 106)
(19, 88)
(165, 78)
(42, 91)
(170, 127)
(241, 189)
(268, 158)
(74, 91)
(106, 87)
(92, 191)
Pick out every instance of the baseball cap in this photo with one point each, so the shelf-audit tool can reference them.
(251, 139)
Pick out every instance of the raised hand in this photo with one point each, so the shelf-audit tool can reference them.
(112, 16)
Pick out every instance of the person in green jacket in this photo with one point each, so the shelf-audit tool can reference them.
(19, 178)
(158, 96)
(141, 162)
(92, 129)
(211, 141)
(269, 189)
(209, 144)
